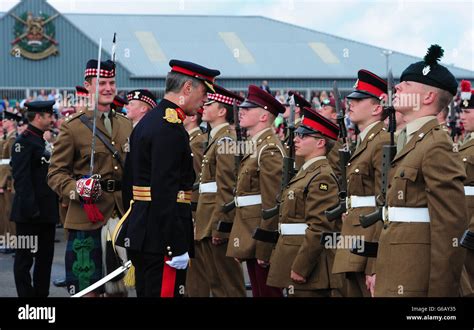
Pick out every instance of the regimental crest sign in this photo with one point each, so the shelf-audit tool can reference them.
(34, 36)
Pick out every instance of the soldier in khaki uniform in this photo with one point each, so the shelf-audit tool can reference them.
(216, 184)
(363, 181)
(418, 253)
(197, 283)
(466, 151)
(300, 103)
(6, 182)
(328, 110)
(258, 183)
(70, 163)
(300, 263)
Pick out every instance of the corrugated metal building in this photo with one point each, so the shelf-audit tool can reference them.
(245, 49)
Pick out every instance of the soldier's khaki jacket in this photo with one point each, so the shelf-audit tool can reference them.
(363, 179)
(333, 158)
(197, 140)
(71, 161)
(6, 181)
(311, 192)
(259, 173)
(466, 151)
(419, 259)
(218, 166)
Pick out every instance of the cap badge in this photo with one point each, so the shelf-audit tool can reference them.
(137, 95)
(465, 103)
(356, 84)
(172, 116)
(426, 70)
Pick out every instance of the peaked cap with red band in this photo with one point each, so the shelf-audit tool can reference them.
(143, 95)
(223, 95)
(81, 91)
(314, 123)
(368, 84)
(107, 69)
(258, 98)
(119, 102)
(207, 76)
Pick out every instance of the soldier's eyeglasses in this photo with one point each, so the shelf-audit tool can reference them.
(303, 135)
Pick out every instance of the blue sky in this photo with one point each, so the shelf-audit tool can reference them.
(407, 26)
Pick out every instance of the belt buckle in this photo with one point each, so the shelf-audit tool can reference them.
(110, 185)
(348, 202)
(279, 228)
(236, 201)
(385, 215)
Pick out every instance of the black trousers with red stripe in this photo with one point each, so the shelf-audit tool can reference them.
(154, 278)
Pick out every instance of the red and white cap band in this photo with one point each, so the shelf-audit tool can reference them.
(222, 98)
(103, 73)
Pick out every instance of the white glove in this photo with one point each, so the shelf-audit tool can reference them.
(179, 262)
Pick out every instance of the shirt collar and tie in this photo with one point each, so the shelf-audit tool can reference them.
(216, 129)
(411, 128)
(195, 129)
(259, 134)
(468, 137)
(364, 133)
(311, 161)
(107, 122)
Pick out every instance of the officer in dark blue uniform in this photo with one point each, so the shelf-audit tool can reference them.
(34, 207)
(158, 232)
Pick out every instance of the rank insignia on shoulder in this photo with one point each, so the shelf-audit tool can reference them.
(323, 186)
(172, 116)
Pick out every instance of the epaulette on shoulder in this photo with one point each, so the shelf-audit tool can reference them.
(74, 116)
(121, 115)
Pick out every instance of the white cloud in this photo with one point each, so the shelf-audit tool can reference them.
(6, 5)
(410, 27)
(463, 53)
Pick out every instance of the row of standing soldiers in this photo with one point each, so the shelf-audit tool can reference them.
(281, 223)
(420, 247)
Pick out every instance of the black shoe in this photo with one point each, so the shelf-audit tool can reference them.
(60, 282)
